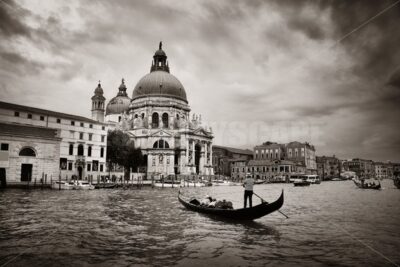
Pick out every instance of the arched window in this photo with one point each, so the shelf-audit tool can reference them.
(136, 116)
(165, 120)
(27, 152)
(142, 115)
(161, 144)
(80, 150)
(154, 120)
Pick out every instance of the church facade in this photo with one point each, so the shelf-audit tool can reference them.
(158, 120)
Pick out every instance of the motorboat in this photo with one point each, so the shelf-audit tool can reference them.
(62, 185)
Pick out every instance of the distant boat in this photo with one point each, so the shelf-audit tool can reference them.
(367, 184)
(301, 182)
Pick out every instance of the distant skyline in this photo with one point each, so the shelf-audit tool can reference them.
(255, 70)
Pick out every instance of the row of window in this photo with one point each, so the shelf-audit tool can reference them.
(88, 167)
(30, 116)
(81, 150)
(90, 136)
(261, 169)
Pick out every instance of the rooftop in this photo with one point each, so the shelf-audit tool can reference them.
(234, 150)
(22, 108)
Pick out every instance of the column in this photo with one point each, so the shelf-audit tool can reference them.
(187, 151)
(193, 153)
(150, 121)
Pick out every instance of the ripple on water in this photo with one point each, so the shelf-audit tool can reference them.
(149, 227)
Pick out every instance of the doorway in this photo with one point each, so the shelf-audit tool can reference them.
(26, 172)
(197, 149)
(80, 170)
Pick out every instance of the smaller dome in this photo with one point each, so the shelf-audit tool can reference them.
(98, 93)
(120, 103)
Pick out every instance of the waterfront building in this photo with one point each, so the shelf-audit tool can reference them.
(328, 167)
(158, 120)
(224, 157)
(28, 153)
(81, 148)
(381, 170)
(301, 154)
(362, 167)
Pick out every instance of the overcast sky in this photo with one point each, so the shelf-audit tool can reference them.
(255, 70)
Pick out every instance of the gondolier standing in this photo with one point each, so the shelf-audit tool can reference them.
(248, 189)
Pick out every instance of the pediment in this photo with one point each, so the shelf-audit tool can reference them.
(202, 132)
(161, 133)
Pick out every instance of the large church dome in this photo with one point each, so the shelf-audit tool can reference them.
(159, 82)
(119, 103)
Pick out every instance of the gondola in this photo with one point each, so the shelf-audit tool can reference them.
(366, 185)
(253, 213)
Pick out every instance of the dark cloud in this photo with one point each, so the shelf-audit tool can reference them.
(10, 19)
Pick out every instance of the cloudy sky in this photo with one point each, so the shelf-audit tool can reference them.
(255, 70)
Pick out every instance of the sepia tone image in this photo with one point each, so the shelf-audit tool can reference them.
(199, 133)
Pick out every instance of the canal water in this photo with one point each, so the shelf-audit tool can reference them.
(331, 224)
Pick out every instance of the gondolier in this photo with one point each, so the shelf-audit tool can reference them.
(248, 189)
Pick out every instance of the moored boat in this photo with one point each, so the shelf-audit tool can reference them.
(62, 185)
(82, 185)
(252, 213)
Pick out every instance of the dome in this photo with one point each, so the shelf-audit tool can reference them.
(120, 103)
(159, 83)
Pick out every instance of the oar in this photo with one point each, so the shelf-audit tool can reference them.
(267, 203)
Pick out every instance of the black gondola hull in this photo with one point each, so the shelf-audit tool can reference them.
(237, 214)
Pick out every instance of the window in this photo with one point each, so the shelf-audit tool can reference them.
(81, 136)
(90, 137)
(42, 118)
(58, 120)
(89, 167)
(101, 152)
(71, 149)
(16, 114)
(119, 118)
(90, 125)
(165, 120)
(4, 147)
(89, 153)
(70, 166)
(27, 152)
(72, 123)
(102, 138)
(154, 120)
(80, 150)
(161, 144)
(101, 167)
(29, 116)
(103, 128)
(82, 124)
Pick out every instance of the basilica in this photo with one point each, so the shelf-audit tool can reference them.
(157, 118)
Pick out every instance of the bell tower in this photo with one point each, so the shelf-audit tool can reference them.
(98, 101)
(159, 60)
